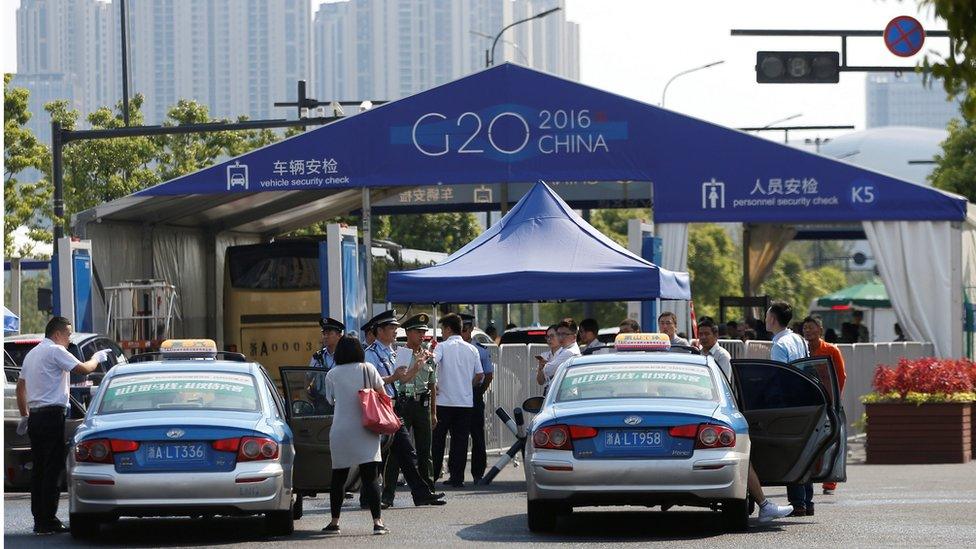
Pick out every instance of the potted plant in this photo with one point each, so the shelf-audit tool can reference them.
(921, 412)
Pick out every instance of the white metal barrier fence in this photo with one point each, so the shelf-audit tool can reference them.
(515, 370)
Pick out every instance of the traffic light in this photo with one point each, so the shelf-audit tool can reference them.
(797, 67)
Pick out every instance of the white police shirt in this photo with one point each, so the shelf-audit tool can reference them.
(458, 362)
(45, 374)
(561, 355)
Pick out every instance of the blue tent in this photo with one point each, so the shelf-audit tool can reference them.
(11, 324)
(540, 251)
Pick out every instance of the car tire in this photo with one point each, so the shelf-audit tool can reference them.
(735, 515)
(298, 508)
(281, 523)
(542, 516)
(84, 526)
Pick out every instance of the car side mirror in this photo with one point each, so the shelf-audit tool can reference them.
(533, 404)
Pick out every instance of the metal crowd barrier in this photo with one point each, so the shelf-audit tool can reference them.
(515, 381)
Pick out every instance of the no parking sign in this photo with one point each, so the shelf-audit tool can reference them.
(904, 36)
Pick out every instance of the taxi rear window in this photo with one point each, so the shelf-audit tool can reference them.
(156, 391)
(637, 380)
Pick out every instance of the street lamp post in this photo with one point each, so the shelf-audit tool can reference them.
(489, 61)
(515, 45)
(491, 57)
(682, 73)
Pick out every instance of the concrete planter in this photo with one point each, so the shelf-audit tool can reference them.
(929, 433)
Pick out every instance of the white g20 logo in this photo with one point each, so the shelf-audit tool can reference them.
(472, 122)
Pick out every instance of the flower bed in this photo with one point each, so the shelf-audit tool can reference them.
(922, 412)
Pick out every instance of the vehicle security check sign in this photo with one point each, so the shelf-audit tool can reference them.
(639, 380)
(180, 390)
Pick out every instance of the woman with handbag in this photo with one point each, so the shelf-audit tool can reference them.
(346, 387)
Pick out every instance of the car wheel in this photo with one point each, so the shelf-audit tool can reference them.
(298, 508)
(281, 523)
(542, 516)
(735, 515)
(84, 526)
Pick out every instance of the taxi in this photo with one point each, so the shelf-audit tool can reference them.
(651, 425)
(187, 431)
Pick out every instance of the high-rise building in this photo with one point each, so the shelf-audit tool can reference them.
(903, 100)
(388, 49)
(65, 51)
(236, 56)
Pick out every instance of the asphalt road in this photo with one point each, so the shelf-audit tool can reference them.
(880, 506)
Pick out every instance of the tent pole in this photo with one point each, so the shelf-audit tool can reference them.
(434, 337)
(746, 289)
(368, 244)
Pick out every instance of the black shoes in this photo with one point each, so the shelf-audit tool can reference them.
(454, 483)
(380, 530)
(332, 529)
(386, 504)
(56, 527)
(477, 480)
(432, 499)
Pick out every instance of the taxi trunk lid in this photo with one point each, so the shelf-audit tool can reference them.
(184, 445)
(634, 429)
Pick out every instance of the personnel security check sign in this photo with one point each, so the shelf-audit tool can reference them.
(517, 125)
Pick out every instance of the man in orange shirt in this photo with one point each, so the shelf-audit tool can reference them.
(813, 333)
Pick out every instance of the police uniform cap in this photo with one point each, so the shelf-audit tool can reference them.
(383, 319)
(466, 319)
(418, 321)
(329, 323)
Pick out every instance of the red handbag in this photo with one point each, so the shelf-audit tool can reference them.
(378, 414)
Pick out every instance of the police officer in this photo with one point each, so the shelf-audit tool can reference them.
(479, 455)
(382, 355)
(324, 359)
(415, 400)
(42, 396)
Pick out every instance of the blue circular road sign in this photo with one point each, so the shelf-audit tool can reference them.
(904, 36)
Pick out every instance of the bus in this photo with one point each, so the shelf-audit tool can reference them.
(272, 302)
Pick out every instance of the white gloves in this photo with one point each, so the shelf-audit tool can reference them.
(101, 356)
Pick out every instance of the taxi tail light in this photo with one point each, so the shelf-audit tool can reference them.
(714, 436)
(706, 435)
(257, 449)
(119, 446)
(553, 437)
(97, 450)
(580, 432)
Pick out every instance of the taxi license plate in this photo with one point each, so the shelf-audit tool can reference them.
(169, 453)
(632, 439)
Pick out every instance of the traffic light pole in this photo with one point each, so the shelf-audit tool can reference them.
(844, 35)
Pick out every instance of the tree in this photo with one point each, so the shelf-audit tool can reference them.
(22, 151)
(714, 267)
(955, 169)
(613, 222)
(443, 232)
(958, 74)
(792, 281)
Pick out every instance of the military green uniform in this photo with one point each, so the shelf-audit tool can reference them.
(413, 406)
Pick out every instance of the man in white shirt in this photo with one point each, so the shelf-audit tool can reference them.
(787, 346)
(589, 332)
(42, 396)
(566, 335)
(458, 372)
(708, 337)
(667, 323)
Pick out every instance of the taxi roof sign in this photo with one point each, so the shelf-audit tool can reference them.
(188, 348)
(642, 342)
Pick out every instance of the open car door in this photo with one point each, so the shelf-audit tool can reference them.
(791, 420)
(310, 418)
(833, 466)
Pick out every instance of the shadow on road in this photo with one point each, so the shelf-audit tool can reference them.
(596, 526)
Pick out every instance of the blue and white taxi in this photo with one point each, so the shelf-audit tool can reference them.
(649, 425)
(185, 432)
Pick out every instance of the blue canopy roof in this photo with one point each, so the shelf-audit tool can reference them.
(540, 251)
(11, 324)
(513, 124)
